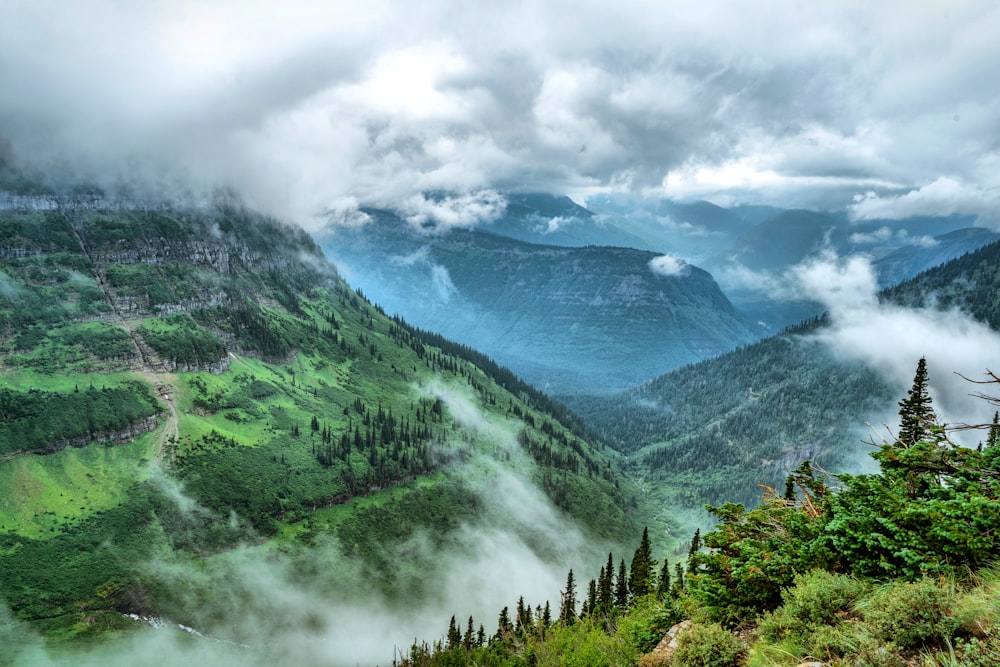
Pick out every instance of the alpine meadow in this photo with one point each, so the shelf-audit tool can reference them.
(499, 334)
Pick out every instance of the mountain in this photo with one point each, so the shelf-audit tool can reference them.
(197, 413)
(721, 427)
(905, 263)
(566, 319)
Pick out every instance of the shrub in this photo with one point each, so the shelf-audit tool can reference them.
(911, 614)
(708, 646)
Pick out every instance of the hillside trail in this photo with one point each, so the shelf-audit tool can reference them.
(146, 366)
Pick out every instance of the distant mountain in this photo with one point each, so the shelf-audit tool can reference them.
(567, 319)
(717, 429)
(780, 241)
(904, 263)
(557, 220)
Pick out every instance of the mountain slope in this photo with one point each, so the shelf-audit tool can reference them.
(176, 385)
(567, 319)
(716, 429)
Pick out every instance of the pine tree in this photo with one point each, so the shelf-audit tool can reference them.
(546, 617)
(678, 579)
(454, 634)
(663, 583)
(481, 636)
(504, 627)
(468, 639)
(993, 438)
(915, 411)
(591, 602)
(521, 617)
(621, 587)
(567, 610)
(640, 579)
(693, 549)
(605, 588)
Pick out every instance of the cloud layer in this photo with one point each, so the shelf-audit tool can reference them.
(315, 107)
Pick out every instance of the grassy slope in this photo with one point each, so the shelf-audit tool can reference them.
(74, 524)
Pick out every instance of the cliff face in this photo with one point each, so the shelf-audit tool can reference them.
(571, 320)
(66, 264)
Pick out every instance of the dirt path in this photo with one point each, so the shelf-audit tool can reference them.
(162, 382)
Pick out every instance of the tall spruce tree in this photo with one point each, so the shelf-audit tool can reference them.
(663, 582)
(641, 576)
(993, 438)
(621, 586)
(567, 610)
(693, 549)
(605, 587)
(916, 416)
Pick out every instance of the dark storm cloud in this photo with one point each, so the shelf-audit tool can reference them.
(312, 108)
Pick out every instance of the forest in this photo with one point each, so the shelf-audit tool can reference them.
(890, 568)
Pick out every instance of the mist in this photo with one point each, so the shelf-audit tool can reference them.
(891, 339)
(267, 604)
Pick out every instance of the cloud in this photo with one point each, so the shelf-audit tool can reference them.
(448, 212)
(304, 106)
(885, 234)
(941, 197)
(668, 266)
(891, 338)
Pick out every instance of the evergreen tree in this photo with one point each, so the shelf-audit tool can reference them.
(454, 634)
(993, 438)
(567, 610)
(469, 638)
(678, 579)
(641, 576)
(663, 583)
(605, 588)
(546, 617)
(591, 597)
(481, 636)
(694, 548)
(621, 586)
(915, 412)
(521, 621)
(504, 627)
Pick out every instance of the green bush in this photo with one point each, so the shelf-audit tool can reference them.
(708, 646)
(646, 622)
(814, 603)
(911, 614)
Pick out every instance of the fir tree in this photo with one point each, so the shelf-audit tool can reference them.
(663, 583)
(640, 579)
(468, 639)
(693, 549)
(605, 588)
(621, 586)
(591, 597)
(915, 412)
(454, 634)
(993, 438)
(504, 627)
(678, 579)
(567, 610)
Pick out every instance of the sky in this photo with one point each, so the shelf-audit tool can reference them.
(312, 109)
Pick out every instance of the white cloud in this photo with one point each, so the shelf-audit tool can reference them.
(885, 234)
(943, 196)
(449, 212)
(301, 105)
(666, 265)
(891, 339)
